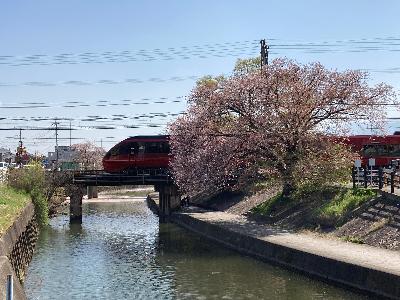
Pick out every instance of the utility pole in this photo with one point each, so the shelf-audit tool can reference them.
(19, 149)
(264, 53)
(56, 124)
(70, 134)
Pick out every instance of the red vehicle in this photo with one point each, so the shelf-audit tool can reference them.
(138, 153)
(384, 149)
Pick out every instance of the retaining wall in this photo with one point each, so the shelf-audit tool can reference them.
(16, 249)
(355, 276)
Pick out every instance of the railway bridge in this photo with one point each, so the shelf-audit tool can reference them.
(169, 197)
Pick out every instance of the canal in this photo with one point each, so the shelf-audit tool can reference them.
(122, 252)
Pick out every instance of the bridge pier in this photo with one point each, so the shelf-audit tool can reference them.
(92, 192)
(169, 199)
(75, 204)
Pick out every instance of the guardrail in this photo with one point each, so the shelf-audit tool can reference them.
(142, 177)
(378, 178)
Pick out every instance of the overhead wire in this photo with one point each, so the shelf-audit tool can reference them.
(391, 44)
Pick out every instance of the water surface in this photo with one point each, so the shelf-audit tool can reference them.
(122, 252)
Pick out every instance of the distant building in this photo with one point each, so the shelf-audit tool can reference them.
(66, 156)
(6, 155)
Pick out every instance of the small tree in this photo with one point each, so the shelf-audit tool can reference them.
(276, 122)
(88, 155)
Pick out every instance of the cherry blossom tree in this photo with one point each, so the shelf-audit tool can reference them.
(275, 122)
(88, 155)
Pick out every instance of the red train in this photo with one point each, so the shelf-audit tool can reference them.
(384, 149)
(138, 153)
(153, 152)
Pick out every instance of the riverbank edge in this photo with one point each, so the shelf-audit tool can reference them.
(357, 277)
(8, 241)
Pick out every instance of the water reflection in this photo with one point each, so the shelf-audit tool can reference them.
(120, 251)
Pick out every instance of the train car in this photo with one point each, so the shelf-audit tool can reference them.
(384, 149)
(138, 153)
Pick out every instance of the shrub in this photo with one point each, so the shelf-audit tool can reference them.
(41, 206)
(31, 179)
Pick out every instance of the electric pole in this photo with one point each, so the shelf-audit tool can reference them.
(70, 134)
(264, 53)
(19, 150)
(56, 124)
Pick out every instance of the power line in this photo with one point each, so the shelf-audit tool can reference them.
(100, 81)
(203, 51)
(99, 103)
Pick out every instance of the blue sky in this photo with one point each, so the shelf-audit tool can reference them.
(163, 46)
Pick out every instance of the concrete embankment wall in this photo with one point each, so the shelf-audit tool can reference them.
(344, 273)
(16, 249)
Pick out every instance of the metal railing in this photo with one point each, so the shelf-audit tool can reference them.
(139, 176)
(378, 178)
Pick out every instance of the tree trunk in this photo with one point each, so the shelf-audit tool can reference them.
(288, 184)
(288, 180)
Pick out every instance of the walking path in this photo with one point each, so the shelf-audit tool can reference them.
(365, 267)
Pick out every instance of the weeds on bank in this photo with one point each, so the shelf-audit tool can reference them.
(343, 203)
(327, 204)
(352, 239)
(303, 194)
(11, 204)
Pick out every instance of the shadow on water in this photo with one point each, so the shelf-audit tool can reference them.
(120, 251)
(202, 269)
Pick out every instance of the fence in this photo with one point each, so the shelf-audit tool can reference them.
(3, 175)
(378, 178)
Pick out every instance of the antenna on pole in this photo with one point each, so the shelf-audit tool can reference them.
(264, 53)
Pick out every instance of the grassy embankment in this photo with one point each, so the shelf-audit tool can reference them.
(11, 204)
(323, 207)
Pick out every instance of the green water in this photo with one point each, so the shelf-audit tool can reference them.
(122, 252)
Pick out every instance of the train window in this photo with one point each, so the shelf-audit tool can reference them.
(165, 147)
(114, 151)
(133, 148)
(153, 147)
(124, 149)
(157, 147)
(393, 150)
(141, 148)
(375, 150)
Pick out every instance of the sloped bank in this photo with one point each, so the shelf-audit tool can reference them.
(369, 269)
(16, 249)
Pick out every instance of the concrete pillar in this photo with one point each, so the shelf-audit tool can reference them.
(169, 199)
(75, 205)
(92, 192)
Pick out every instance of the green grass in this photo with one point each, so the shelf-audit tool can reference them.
(11, 204)
(353, 239)
(327, 206)
(270, 206)
(344, 202)
(303, 194)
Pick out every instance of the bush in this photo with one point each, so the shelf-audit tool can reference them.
(41, 206)
(31, 179)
